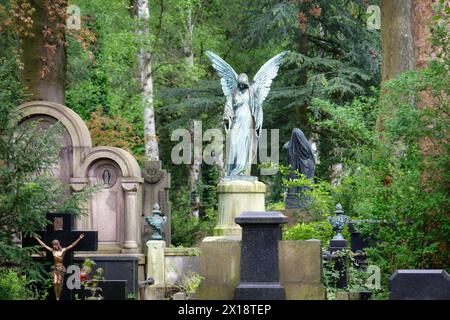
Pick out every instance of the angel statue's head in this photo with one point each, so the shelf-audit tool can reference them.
(243, 82)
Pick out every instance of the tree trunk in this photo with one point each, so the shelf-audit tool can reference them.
(188, 47)
(195, 168)
(146, 81)
(396, 38)
(44, 57)
(405, 38)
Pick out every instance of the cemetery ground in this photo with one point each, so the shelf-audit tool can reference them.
(137, 168)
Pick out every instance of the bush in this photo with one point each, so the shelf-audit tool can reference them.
(320, 230)
(396, 160)
(14, 286)
(186, 229)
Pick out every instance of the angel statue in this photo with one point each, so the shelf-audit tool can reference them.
(243, 115)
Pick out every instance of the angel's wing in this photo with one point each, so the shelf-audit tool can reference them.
(263, 78)
(228, 77)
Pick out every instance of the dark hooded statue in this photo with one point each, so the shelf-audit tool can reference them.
(300, 157)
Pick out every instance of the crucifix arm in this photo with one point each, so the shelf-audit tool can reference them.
(42, 243)
(75, 242)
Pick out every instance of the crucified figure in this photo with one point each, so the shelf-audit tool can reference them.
(58, 253)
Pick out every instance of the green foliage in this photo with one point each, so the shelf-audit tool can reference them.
(398, 175)
(190, 283)
(318, 193)
(91, 284)
(186, 229)
(356, 278)
(320, 230)
(14, 286)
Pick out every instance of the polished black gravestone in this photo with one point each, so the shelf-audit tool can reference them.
(425, 284)
(118, 268)
(259, 272)
(60, 228)
(110, 290)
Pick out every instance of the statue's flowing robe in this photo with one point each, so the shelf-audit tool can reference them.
(300, 158)
(241, 137)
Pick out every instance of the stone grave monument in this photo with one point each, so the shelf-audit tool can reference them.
(425, 284)
(116, 210)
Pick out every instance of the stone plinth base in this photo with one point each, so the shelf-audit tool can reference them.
(155, 292)
(155, 261)
(235, 197)
(219, 266)
(259, 291)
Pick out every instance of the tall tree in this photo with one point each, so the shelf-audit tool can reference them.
(43, 50)
(146, 80)
(405, 35)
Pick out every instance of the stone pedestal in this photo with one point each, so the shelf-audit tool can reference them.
(235, 197)
(259, 256)
(219, 266)
(301, 269)
(155, 270)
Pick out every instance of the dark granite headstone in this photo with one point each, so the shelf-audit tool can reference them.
(124, 268)
(425, 284)
(110, 290)
(359, 242)
(259, 272)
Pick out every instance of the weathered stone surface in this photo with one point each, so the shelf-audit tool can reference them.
(235, 197)
(219, 265)
(301, 269)
(180, 263)
(179, 296)
(155, 261)
(115, 210)
(419, 285)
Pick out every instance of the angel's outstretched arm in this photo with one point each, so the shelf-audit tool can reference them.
(43, 244)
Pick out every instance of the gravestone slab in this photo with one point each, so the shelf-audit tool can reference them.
(118, 268)
(259, 274)
(425, 284)
(110, 290)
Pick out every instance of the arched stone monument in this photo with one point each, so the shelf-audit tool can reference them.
(115, 211)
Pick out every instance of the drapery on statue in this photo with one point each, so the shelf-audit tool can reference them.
(243, 115)
(59, 270)
(299, 157)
